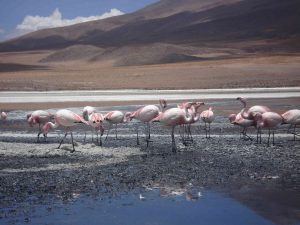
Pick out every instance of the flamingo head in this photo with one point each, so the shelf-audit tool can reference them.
(46, 128)
(232, 118)
(30, 120)
(35, 119)
(242, 100)
(163, 103)
(127, 116)
(3, 115)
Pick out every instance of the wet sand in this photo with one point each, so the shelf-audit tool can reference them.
(241, 169)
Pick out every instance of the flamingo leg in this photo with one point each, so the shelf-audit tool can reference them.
(137, 135)
(108, 131)
(99, 141)
(84, 139)
(148, 136)
(39, 133)
(173, 140)
(246, 135)
(116, 130)
(273, 137)
(290, 127)
(258, 137)
(208, 130)
(269, 138)
(149, 131)
(242, 133)
(62, 140)
(190, 133)
(205, 130)
(72, 141)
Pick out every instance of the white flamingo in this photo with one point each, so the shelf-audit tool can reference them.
(207, 117)
(39, 117)
(147, 113)
(66, 119)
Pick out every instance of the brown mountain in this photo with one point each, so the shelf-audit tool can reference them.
(235, 26)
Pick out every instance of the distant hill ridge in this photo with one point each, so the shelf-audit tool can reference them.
(235, 26)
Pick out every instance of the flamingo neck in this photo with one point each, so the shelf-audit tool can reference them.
(49, 125)
(126, 117)
(188, 116)
(162, 105)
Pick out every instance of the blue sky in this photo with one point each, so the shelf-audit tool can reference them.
(13, 12)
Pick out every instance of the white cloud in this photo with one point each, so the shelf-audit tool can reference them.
(33, 23)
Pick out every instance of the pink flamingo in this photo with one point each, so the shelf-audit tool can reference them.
(207, 117)
(3, 115)
(39, 117)
(115, 117)
(240, 121)
(87, 110)
(66, 119)
(269, 120)
(96, 120)
(249, 114)
(194, 111)
(146, 114)
(292, 117)
(174, 117)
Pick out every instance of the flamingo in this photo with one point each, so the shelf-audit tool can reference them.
(3, 115)
(87, 110)
(66, 119)
(207, 117)
(96, 120)
(194, 112)
(249, 114)
(115, 117)
(252, 111)
(269, 120)
(39, 117)
(174, 117)
(292, 117)
(146, 114)
(240, 121)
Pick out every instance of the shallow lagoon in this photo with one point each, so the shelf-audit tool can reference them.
(151, 207)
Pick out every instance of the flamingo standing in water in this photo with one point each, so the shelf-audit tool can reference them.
(240, 121)
(269, 120)
(194, 111)
(292, 117)
(146, 114)
(39, 117)
(174, 117)
(96, 120)
(116, 117)
(207, 117)
(3, 115)
(249, 114)
(66, 119)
